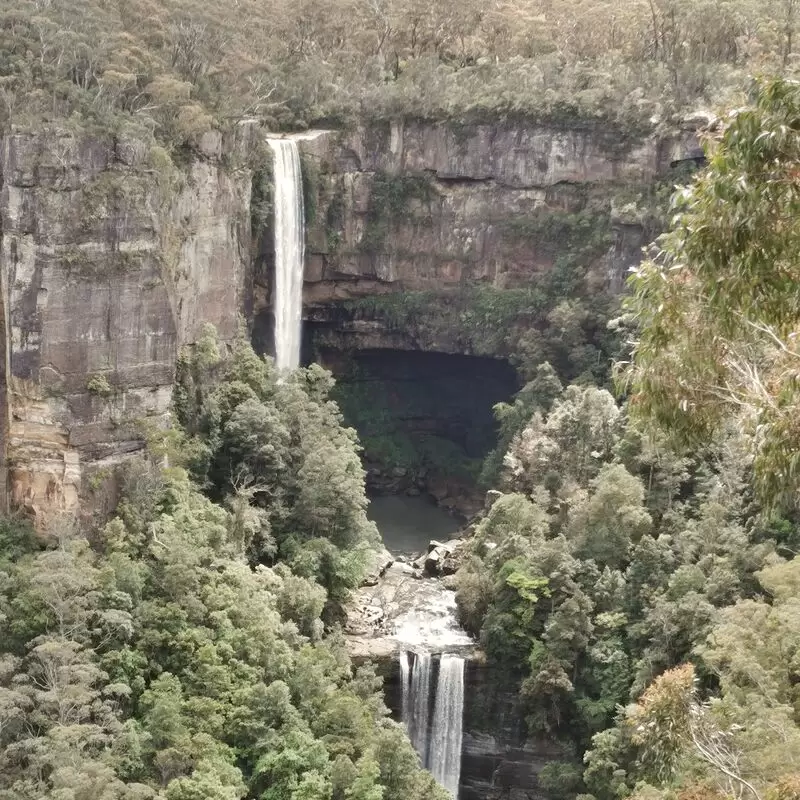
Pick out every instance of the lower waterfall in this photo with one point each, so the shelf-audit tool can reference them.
(419, 722)
(438, 742)
(445, 749)
(405, 682)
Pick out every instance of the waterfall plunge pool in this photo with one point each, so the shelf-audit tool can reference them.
(407, 524)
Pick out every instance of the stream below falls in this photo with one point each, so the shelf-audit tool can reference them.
(407, 524)
(420, 623)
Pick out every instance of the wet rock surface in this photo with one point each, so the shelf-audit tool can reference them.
(403, 609)
(380, 562)
(441, 559)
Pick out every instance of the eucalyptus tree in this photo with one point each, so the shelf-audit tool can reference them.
(717, 313)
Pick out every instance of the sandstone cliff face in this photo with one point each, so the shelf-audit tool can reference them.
(110, 260)
(420, 206)
(476, 178)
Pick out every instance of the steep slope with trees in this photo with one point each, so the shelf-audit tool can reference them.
(640, 584)
(160, 657)
(718, 312)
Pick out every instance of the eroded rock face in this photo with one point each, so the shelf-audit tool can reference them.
(110, 261)
(473, 181)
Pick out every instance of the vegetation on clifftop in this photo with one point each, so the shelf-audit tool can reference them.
(179, 67)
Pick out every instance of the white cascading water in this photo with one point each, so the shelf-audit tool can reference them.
(420, 704)
(446, 736)
(405, 679)
(289, 252)
(439, 742)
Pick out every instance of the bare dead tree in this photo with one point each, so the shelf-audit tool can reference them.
(717, 748)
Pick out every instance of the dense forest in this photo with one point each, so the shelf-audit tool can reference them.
(178, 67)
(642, 567)
(637, 578)
(161, 657)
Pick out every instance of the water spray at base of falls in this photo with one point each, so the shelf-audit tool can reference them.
(289, 253)
(438, 741)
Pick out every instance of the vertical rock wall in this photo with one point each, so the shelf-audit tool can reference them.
(420, 205)
(111, 258)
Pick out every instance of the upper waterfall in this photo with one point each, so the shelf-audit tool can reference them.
(290, 238)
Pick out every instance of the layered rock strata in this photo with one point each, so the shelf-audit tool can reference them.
(415, 206)
(111, 259)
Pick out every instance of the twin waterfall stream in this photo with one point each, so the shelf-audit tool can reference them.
(438, 741)
(433, 699)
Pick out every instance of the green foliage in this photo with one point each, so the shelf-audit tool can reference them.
(717, 311)
(181, 68)
(609, 559)
(310, 173)
(390, 199)
(524, 323)
(661, 722)
(372, 406)
(559, 780)
(157, 663)
(99, 385)
(573, 239)
(277, 450)
(537, 395)
(261, 195)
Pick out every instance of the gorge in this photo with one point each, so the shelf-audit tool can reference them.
(196, 244)
(423, 245)
(399, 400)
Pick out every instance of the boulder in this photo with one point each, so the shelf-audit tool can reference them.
(381, 561)
(441, 558)
(434, 560)
(449, 564)
(492, 496)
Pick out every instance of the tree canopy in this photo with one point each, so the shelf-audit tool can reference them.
(179, 67)
(717, 312)
(638, 582)
(178, 652)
